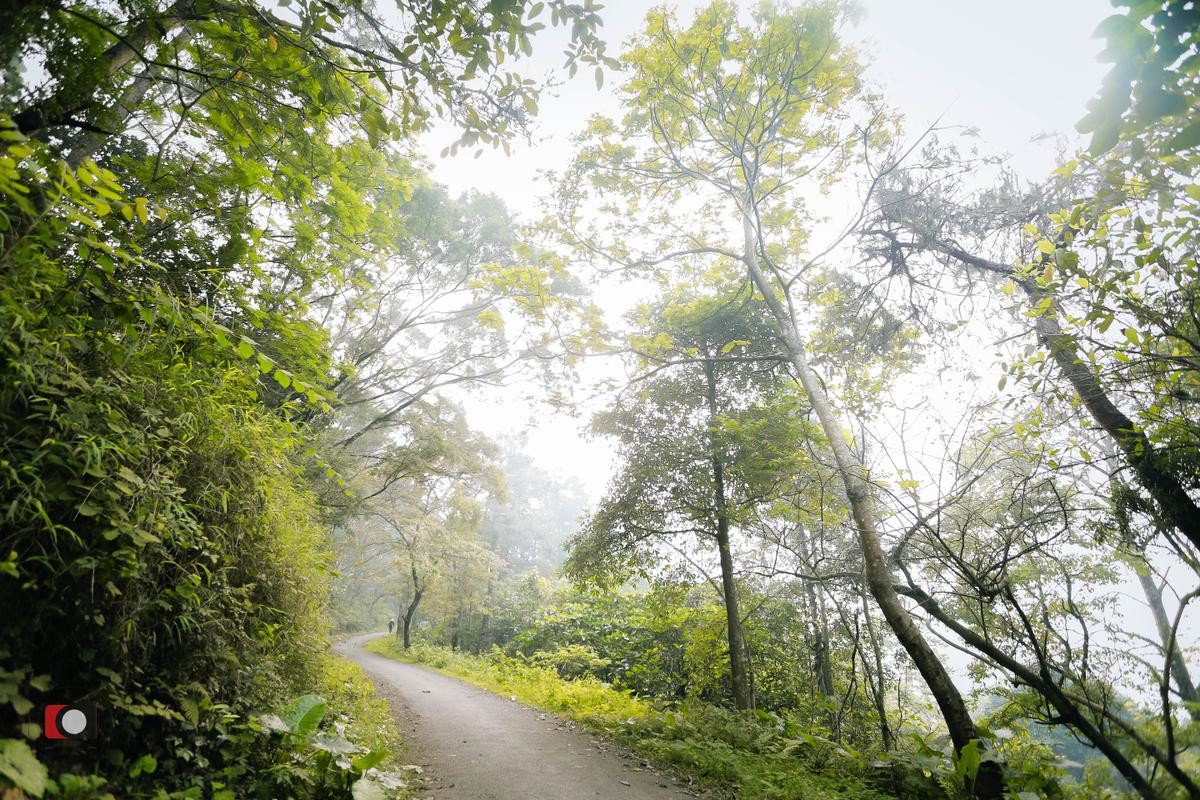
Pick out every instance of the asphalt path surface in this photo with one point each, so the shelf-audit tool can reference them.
(474, 745)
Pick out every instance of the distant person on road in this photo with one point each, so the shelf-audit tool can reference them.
(391, 625)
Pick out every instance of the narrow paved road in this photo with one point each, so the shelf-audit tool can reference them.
(475, 745)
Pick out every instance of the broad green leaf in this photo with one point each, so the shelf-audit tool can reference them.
(371, 759)
(367, 789)
(20, 766)
(332, 743)
(968, 760)
(304, 714)
(1186, 138)
(144, 765)
(1105, 138)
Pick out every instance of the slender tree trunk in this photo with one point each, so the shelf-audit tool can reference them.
(749, 664)
(410, 612)
(742, 698)
(878, 693)
(989, 782)
(1179, 669)
(823, 667)
(408, 619)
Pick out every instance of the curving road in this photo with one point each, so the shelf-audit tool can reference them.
(475, 745)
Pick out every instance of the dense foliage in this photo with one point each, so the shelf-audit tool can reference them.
(184, 189)
(239, 323)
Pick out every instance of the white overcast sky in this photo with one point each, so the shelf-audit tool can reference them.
(1014, 70)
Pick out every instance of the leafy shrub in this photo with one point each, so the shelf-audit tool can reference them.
(571, 662)
(160, 537)
(309, 749)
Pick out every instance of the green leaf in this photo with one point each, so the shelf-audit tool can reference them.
(1066, 259)
(191, 710)
(371, 759)
(1188, 137)
(20, 766)
(332, 743)
(144, 765)
(304, 714)
(367, 789)
(1162, 103)
(968, 760)
(1105, 138)
(283, 378)
(245, 349)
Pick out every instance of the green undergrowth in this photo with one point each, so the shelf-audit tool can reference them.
(752, 756)
(339, 744)
(366, 717)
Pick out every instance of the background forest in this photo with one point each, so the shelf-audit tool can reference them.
(841, 552)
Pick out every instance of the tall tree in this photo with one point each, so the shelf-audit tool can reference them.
(705, 430)
(742, 118)
(181, 184)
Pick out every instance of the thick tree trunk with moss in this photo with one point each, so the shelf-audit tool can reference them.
(743, 697)
(989, 782)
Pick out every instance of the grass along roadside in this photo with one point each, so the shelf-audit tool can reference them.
(753, 756)
(356, 708)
